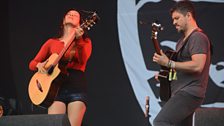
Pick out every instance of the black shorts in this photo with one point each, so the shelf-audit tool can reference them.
(73, 87)
(70, 95)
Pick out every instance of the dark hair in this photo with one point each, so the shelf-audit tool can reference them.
(183, 7)
(61, 27)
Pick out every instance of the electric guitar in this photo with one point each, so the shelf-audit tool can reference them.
(164, 74)
(43, 87)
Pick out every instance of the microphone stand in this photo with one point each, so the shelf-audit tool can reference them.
(147, 108)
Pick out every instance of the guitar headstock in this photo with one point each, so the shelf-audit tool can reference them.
(156, 27)
(90, 21)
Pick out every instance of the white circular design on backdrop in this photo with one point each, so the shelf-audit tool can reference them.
(133, 57)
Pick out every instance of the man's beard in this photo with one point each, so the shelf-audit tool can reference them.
(180, 31)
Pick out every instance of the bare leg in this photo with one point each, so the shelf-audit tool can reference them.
(57, 108)
(76, 111)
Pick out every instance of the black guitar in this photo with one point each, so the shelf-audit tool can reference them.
(165, 74)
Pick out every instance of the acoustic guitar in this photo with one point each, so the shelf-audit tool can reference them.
(43, 87)
(165, 73)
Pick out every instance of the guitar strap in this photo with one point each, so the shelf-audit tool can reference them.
(72, 52)
(184, 43)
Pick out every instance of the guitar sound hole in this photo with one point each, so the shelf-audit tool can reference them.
(39, 86)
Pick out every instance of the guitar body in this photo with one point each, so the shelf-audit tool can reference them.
(165, 87)
(42, 87)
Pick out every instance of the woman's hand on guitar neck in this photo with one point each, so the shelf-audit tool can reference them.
(79, 32)
(161, 59)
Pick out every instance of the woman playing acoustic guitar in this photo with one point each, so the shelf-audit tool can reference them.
(70, 51)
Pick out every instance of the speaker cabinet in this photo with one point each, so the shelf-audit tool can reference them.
(35, 120)
(209, 117)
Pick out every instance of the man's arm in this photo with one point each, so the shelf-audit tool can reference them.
(195, 65)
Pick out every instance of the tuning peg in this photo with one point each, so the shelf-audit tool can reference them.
(157, 26)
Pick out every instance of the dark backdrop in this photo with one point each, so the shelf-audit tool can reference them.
(28, 24)
(31, 23)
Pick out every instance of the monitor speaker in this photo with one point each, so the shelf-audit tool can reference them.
(35, 120)
(209, 117)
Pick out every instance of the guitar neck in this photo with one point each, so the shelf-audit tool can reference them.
(65, 49)
(62, 53)
(156, 45)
